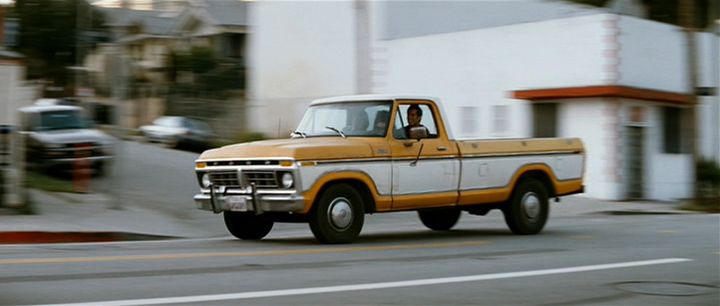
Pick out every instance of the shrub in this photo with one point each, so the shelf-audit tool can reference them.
(708, 172)
(708, 185)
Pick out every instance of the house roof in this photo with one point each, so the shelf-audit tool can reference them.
(417, 18)
(227, 12)
(372, 97)
(152, 22)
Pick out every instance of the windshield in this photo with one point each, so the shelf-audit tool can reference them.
(168, 121)
(61, 120)
(356, 119)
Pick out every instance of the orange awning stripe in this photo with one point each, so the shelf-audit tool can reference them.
(602, 91)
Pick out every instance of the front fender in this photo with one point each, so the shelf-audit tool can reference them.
(314, 191)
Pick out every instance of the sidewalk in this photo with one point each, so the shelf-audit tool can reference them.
(66, 217)
(70, 217)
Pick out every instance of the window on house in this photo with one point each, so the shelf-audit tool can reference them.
(545, 120)
(500, 120)
(672, 130)
(469, 120)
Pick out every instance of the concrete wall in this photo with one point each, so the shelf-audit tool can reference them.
(470, 76)
(479, 68)
(596, 122)
(299, 51)
(602, 124)
(709, 106)
(652, 55)
(667, 176)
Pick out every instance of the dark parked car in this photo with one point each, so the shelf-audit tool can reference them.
(174, 131)
(61, 136)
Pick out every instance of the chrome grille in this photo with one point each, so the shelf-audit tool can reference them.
(243, 163)
(262, 179)
(228, 179)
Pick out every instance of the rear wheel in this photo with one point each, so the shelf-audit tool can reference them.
(247, 226)
(528, 209)
(338, 216)
(439, 219)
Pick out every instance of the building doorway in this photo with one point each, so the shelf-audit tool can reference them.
(635, 157)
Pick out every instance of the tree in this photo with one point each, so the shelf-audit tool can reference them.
(50, 35)
(668, 11)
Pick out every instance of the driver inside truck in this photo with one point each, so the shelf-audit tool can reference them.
(414, 117)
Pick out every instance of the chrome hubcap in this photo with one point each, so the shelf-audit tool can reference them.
(340, 213)
(531, 206)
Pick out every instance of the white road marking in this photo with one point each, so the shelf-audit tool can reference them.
(371, 286)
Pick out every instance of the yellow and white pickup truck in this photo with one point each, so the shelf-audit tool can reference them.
(352, 156)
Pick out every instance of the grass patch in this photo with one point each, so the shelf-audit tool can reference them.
(48, 183)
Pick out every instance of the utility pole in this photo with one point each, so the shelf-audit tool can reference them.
(713, 18)
(362, 47)
(687, 20)
(118, 74)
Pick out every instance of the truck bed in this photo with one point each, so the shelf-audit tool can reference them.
(519, 146)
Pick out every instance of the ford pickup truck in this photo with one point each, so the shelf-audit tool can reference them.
(352, 156)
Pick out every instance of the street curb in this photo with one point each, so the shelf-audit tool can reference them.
(631, 212)
(39, 237)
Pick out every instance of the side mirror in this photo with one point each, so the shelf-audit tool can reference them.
(418, 133)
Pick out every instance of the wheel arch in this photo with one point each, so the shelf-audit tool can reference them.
(359, 181)
(539, 172)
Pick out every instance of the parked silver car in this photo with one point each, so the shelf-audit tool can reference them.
(61, 136)
(174, 131)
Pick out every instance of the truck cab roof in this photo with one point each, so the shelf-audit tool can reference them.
(48, 108)
(373, 97)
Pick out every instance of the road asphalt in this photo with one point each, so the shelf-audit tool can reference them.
(95, 217)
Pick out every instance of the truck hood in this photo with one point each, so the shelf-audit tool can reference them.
(320, 148)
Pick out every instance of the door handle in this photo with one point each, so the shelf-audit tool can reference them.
(442, 148)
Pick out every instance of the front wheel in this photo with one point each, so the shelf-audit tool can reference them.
(338, 216)
(528, 209)
(247, 226)
(439, 219)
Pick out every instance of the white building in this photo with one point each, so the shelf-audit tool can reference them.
(503, 69)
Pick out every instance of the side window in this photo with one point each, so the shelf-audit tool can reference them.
(404, 119)
(379, 115)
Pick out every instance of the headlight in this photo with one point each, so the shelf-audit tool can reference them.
(205, 180)
(287, 180)
(53, 146)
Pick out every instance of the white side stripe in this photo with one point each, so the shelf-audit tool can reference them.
(385, 285)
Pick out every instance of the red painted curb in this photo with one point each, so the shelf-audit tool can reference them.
(38, 237)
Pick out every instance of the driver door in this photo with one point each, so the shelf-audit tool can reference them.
(431, 181)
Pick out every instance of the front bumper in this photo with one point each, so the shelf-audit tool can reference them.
(258, 202)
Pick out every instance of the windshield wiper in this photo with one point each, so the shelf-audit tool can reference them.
(295, 133)
(336, 131)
